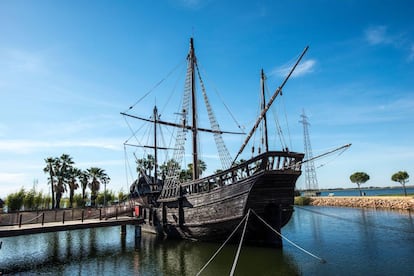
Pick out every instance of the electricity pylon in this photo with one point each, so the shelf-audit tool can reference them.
(311, 182)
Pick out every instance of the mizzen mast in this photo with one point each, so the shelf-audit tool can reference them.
(266, 138)
(266, 108)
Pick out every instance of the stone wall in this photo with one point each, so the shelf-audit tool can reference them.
(390, 202)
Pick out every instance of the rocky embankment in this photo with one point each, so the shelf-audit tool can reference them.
(389, 202)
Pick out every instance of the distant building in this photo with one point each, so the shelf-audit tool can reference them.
(1, 203)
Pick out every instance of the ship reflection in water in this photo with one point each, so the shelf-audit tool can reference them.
(352, 241)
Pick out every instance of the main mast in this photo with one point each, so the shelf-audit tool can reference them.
(155, 145)
(192, 60)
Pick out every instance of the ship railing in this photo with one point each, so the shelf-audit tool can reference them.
(273, 161)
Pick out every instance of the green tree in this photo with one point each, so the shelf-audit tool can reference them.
(47, 200)
(188, 173)
(359, 178)
(29, 199)
(14, 201)
(50, 170)
(38, 200)
(121, 195)
(402, 178)
(78, 200)
(107, 196)
(96, 176)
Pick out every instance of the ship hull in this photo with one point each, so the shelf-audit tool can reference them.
(215, 214)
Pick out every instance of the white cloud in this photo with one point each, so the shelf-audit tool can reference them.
(411, 55)
(29, 146)
(11, 177)
(377, 35)
(303, 68)
(193, 4)
(23, 61)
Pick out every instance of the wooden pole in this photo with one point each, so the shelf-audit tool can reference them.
(123, 229)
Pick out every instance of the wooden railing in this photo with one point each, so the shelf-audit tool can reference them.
(62, 215)
(269, 161)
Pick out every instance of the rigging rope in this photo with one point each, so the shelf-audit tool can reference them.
(277, 123)
(154, 87)
(245, 220)
(172, 94)
(233, 268)
(333, 159)
(221, 247)
(223, 152)
(221, 99)
(287, 123)
(289, 241)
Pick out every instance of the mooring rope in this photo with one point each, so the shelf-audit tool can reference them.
(289, 241)
(30, 220)
(236, 258)
(245, 219)
(221, 247)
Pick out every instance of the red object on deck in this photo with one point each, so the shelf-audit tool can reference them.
(137, 211)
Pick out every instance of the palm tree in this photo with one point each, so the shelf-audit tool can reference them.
(146, 164)
(49, 169)
(62, 166)
(169, 167)
(73, 175)
(188, 174)
(97, 176)
(84, 178)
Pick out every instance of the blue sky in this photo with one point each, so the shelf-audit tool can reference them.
(67, 68)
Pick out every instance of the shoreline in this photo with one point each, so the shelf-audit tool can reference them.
(384, 202)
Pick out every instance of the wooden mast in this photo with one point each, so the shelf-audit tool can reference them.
(266, 139)
(192, 60)
(155, 145)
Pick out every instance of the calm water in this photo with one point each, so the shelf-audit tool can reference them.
(352, 241)
(369, 192)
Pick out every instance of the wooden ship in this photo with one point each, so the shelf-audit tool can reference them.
(210, 208)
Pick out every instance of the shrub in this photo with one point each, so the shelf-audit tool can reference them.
(302, 201)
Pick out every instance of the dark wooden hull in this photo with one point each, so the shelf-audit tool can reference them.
(214, 214)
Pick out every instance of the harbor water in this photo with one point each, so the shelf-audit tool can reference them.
(351, 241)
(368, 192)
